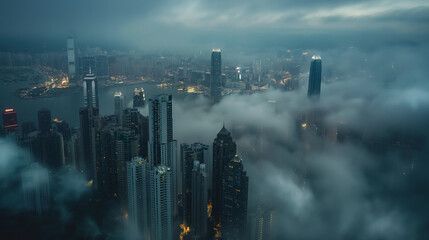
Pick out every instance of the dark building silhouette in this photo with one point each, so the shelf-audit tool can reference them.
(199, 214)
(108, 174)
(216, 76)
(127, 147)
(315, 79)
(45, 120)
(143, 136)
(49, 150)
(10, 120)
(234, 200)
(224, 149)
(89, 122)
(190, 154)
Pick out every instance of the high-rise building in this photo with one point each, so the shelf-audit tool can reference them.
(90, 90)
(189, 154)
(36, 188)
(119, 105)
(10, 121)
(216, 76)
(161, 169)
(107, 157)
(127, 147)
(137, 196)
(199, 215)
(89, 123)
(224, 149)
(139, 98)
(71, 58)
(162, 147)
(45, 120)
(315, 79)
(49, 149)
(144, 136)
(161, 203)
(130, 119)
(234, 200)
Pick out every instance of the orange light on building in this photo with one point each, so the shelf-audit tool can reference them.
(185, 231)
(209, 209)
(305, 53)
(9, 110)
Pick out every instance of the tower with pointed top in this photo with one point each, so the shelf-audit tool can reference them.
(224, 149)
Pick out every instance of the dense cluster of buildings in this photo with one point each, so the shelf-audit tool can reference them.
(200, 194)
(134, 159)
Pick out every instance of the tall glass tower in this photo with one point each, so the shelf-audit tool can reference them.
(234, 200)
(119, 105)
(216, 76)
(90, 90)
(224, 149)
(315, 79)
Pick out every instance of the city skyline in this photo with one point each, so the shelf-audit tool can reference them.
(224, 121)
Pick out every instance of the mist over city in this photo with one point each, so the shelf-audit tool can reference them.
(224, 120)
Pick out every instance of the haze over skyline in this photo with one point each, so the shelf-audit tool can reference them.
(194, 25)
(322, 107)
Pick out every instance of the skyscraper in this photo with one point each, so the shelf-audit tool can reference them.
(71, 58)
(161, 203)
(190, 154)
(162, 147)
(89, 122)
(107, 158)
(119, 105)
(199, 201)
(224, 149)
(127, 147)
(216, 76)
(90, 90)
(161, 169)
(234, 200)
(139, 98)
(137, 196)
(315, 79)
(10, 121)
(45, 120)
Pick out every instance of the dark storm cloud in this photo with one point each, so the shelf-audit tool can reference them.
(205, 24)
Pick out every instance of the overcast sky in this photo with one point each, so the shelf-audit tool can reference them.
(190, 24)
